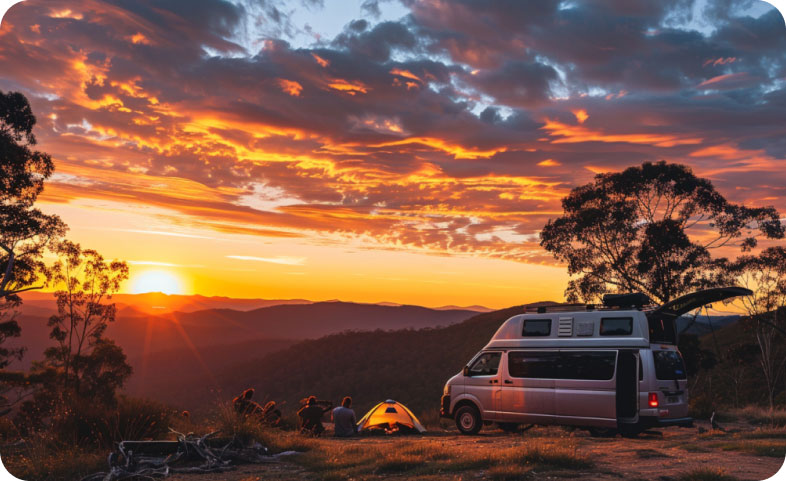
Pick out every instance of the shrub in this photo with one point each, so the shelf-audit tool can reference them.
(86, 424)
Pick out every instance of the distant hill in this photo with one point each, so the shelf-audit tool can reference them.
(407, 365)
(43, 303)
(157, 373)
(141, 334)
(705, 324)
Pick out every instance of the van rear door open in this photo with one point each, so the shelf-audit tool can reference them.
(662, 321)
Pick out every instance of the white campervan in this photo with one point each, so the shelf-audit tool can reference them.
(613, 368)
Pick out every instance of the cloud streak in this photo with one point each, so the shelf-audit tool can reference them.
(283, 260)
(453, 130)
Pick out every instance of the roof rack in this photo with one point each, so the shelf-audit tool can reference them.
(561, 308)
(630, 300)
(611, 302)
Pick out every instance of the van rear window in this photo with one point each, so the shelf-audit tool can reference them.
(668, 365)
(536, 327)
(616, 326)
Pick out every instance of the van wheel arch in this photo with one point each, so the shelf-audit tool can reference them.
(468, 417)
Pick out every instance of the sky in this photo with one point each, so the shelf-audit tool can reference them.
(402, 151)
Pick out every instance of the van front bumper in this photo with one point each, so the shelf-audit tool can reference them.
(444, 409)
(654, 422)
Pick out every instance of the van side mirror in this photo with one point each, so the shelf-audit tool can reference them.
(465, 371)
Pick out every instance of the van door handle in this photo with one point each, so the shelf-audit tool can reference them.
(494, 381)
(508, 381)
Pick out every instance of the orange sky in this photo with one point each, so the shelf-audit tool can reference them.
(409, 154)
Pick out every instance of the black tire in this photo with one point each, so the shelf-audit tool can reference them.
(468, 420)
(602, 432)
(509, 427)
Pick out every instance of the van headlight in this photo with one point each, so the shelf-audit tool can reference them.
(446, 389)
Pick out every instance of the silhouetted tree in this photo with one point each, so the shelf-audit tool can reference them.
(87, 363)
(765, 275)
(24, 231)
(650, 228)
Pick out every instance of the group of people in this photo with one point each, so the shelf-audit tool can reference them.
(269, 415)
(343, 417)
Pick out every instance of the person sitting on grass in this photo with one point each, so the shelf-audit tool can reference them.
(311, 417)
(271, 415)
(344, 422)
(245, 406)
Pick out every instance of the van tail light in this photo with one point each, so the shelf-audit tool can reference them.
(653, 400)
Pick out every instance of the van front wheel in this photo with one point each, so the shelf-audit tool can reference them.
(468, 420)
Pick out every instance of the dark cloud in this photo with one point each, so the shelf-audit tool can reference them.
(377, 43)
(458, 127)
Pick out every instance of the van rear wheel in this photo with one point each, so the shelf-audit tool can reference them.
(468, 420)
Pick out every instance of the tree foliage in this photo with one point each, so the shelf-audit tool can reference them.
(24, 230)
(87, 362)
(765, 275)
(651, 228)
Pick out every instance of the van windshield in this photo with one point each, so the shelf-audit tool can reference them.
(486, 364)
(668, 365)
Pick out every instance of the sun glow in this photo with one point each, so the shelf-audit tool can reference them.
(156, 281)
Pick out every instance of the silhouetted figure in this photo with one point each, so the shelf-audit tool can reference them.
(344, 421)
(311, 416)
(245, 406)
(271, 415)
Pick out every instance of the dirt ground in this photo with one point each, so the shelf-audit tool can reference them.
(662, 455)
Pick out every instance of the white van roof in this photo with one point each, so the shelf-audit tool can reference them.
(607, 328)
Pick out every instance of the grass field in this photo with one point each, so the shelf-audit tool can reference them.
(744, 451)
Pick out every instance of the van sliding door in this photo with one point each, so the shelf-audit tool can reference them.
(585, 388)
(527, 393)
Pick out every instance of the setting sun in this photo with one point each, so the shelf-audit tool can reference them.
(156, 281)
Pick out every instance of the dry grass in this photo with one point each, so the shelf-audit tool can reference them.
(423, 456)
(43, 459)
(775, 448)
(707, 474)
(756, 415)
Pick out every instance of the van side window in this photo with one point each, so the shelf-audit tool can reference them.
(616, 326)
(533, 364)
(536, 327)
(486, 365)
(595, 365)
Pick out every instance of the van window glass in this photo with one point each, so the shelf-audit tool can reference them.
(595, 365)
(537, 327)
(662, 331)
(486, 365)
(533, 364)
(668, 365)
(616, 326)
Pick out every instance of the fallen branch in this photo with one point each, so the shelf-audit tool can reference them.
(189, 454)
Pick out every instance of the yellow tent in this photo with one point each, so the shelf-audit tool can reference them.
(390, 415)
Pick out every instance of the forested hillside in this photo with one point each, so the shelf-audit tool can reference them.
(407, 365)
